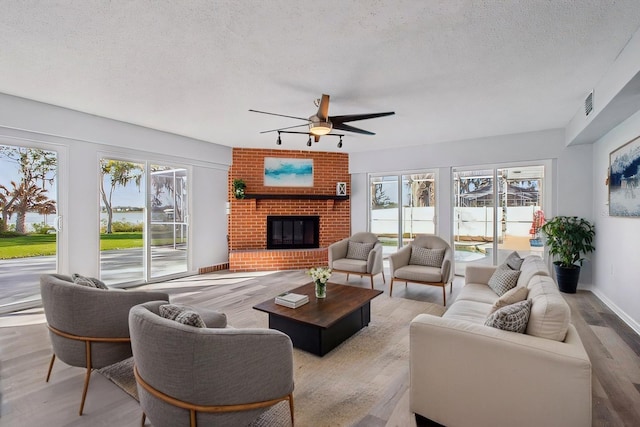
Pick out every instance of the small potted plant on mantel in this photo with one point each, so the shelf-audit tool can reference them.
(238, 188)
(568, 238)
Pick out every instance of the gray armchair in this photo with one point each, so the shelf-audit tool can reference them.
(359, 254)
(433, 266)
(88, 327)
(207, 376)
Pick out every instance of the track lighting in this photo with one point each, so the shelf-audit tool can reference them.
(310, 135)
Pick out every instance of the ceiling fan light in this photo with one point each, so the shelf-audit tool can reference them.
(320, 128)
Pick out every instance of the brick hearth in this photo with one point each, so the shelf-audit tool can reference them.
(247, 220)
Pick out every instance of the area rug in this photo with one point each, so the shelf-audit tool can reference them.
(340, 388)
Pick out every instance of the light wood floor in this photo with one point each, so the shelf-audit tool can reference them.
(26, 400)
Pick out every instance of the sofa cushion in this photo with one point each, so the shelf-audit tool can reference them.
(181, 314)
(356, 250)
(512, 296)
(418, 273)
(513, 317)
(550, 313)
(90, 282)
(470, 311)
(514, 261)
(427, 257)
(532, 266)
(477, 292)
(503, 279)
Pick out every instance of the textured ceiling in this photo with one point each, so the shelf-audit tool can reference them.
(450, 69)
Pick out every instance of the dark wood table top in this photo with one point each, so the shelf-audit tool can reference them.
(341, 301)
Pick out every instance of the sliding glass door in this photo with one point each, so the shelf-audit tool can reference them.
(496, 211)
(401, 206)
(144, 221)
(168, 229)
(28, 223)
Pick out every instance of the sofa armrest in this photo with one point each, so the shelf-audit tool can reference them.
(478, 273)
(399, 259)
(338, 250)
(464, 373)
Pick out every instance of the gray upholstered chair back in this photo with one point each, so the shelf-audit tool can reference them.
(207, 366)
(89, 312)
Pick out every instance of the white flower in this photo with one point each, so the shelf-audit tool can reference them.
(321, 274)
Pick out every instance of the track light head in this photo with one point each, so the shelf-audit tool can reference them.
(340, 142)
(279, 141)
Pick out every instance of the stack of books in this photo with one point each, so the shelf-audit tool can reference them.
(291, 300)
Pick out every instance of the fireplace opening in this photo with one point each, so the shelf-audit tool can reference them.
(293, 232)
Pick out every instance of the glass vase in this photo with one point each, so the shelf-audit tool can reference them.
(321, 289)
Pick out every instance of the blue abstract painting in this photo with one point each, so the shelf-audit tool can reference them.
(281, 172)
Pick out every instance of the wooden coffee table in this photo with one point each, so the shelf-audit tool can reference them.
(323, 323)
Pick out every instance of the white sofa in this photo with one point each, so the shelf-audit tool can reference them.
(464, 373)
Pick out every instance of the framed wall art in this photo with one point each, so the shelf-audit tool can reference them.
(624, 178)
(282, 172)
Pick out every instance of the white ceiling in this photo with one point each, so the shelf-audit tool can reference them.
(450, 69)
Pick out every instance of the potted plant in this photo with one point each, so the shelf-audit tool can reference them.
(568, 239)
(238, 188)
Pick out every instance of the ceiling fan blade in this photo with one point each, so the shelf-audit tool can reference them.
(280, 115)
(323, 108)
(342, 126)
(289, 127)
(356, 117)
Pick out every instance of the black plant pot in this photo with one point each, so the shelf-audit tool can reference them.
(567, 278)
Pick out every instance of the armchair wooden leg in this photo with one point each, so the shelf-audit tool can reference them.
(87, 376)
(291, 408)
(347, 277)
(444, 296)
(144, 419)
(383, 278)
(371, 277)
(451, 289)
(53, 359)
(391, 288)
(192, 417)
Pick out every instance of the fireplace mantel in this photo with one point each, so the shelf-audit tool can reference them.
(295, 197)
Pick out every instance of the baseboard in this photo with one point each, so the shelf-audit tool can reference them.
(212, 268)
(617, 310)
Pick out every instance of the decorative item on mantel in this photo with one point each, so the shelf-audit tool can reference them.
(320, 276)
(341, 189)
(238, 188)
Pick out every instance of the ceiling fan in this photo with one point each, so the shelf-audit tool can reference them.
(322, 123)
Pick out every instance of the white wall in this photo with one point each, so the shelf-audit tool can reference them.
(81, 139)
(616, 270)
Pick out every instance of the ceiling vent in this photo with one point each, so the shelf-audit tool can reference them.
(588, 104)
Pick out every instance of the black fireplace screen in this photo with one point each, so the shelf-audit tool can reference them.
(293, 232)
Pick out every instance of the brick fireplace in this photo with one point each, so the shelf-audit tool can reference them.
(248, 217)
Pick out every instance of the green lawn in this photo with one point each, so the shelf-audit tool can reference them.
(45, 244)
